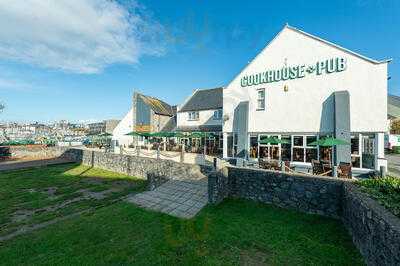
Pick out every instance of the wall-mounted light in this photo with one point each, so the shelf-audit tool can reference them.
(285, 88)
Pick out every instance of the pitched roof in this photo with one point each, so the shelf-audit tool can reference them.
(208, 99)
(337, 46)
(170, 126)
(393, 106)
(158, 106)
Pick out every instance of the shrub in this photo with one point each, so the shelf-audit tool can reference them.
(385, 190)
(396, 149)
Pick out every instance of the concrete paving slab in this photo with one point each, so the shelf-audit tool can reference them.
(179, 198)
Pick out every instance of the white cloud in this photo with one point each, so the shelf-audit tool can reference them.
(11, 84)
(82, 36)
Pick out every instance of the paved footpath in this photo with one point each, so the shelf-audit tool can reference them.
(179, 198)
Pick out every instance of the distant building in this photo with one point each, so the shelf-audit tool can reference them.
(125, 126)
(202, 112)
(150, 114)
(106, 126)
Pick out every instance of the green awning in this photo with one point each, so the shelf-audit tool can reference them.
(273, 141)
(329, 142)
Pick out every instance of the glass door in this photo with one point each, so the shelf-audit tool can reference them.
(368, 151)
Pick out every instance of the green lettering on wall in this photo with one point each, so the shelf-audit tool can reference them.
(327, 66)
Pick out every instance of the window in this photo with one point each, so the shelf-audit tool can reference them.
(235, 144)
(254, 147)
(302, 150)
(217, 114)
(260, 99)
(221, 141)
(355, 150)
(193, 115)
(230, 145)
(311, 150)
(286, 148)
(368, 151)
(269, 151)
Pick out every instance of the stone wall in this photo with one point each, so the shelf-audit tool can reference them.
(138, 166)
(311, 194)
(34, 151)
(375, 231)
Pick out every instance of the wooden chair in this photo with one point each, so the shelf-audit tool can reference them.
(344, 170)
(318, 168)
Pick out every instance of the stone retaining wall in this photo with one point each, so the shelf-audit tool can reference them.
(138, 166)
(375, 231)
(312, 194)
(34, 151)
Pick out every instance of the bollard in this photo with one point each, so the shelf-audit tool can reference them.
(183, 154)
(158, 152)
(283, 166)
(382, 171)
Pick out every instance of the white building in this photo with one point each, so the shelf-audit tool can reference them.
(202, 112)
(299, 88)
(125, 126)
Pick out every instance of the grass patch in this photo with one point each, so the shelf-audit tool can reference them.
(385, 190)
(236, 232)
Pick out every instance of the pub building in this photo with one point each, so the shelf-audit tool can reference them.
(301, 88)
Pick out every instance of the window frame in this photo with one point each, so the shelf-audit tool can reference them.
(261, 99)
(193, 116)
(217, 114)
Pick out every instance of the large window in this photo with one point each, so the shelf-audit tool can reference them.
(230, 146)
(194, 115)
(269, 151)
(260, 99)
(235, 144)
(298, 149)
(286, 148)
(303, 151)
(311, 150)
(253, 147)
(368, 151)
(355, 150)
(217, 114)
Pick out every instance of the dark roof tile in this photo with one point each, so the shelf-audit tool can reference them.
(209, 99)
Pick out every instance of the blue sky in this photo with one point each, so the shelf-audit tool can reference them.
(82, 60)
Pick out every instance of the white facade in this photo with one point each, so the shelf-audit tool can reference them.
(304, 104)
(124, 127)
(205, 118)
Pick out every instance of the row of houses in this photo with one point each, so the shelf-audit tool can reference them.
(299, 89)
(200, 112)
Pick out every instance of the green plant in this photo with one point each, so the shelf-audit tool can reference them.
(384, 190)
(396, 149)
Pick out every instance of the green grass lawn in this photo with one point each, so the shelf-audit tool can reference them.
(112, 231)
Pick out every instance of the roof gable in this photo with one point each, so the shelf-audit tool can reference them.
(335, 45)
(158, 106)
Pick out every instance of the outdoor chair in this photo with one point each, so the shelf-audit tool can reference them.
(344, 170)
(318, 168)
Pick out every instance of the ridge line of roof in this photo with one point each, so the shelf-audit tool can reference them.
(337, 46)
